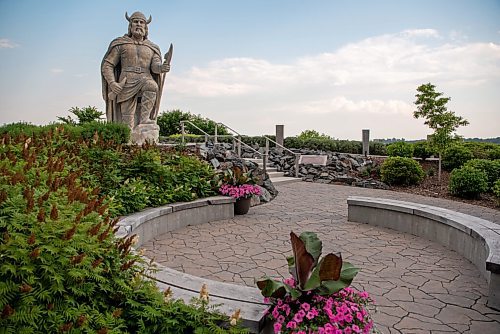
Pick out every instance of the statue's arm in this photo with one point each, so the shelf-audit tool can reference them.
(109, 64)
(156, 64)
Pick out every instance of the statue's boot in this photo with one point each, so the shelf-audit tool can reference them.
(147, 105)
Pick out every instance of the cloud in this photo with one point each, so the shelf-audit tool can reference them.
(369, 83)
(56, 70)
(341, 104)
(7, 44)
(421, 33)
(377, 61)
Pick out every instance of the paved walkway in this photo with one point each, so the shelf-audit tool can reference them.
(419, 286)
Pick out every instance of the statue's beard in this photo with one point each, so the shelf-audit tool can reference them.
(138, 33)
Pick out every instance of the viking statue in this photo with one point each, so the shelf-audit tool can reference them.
(133, 75)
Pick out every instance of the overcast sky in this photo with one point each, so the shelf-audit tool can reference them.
(334, 66)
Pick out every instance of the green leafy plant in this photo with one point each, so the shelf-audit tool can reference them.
(432, 106)
(490, 167)
(170, 124)
(496, 191)
(401, 171)
(455, 156)
(61, 269)
(468, 182)
(305, 301)
(422, 150)
(322, 276)
(400, 149)
(83, 115)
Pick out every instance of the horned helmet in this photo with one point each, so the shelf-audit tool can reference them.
(137, 15)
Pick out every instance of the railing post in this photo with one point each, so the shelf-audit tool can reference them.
(266, 155)
(215, 135)
(182, 132)
(296, 165)
(239, 146)
(206, 140)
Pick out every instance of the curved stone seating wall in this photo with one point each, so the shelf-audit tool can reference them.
(152, 222)
(476, 239)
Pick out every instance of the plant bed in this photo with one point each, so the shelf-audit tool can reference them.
(430, 187)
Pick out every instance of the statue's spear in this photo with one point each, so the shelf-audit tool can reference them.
(167, 58)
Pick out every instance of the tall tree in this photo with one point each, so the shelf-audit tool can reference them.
(431, 105)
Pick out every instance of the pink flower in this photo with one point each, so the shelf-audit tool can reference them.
(291, 325)
(347, 330)
(275, 313)
(348, 318)
(310, 315)
(277, 327)
(359, 316)
(305, 306)
(356, 329)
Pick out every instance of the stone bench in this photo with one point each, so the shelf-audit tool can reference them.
(152, 222)
(476, 239)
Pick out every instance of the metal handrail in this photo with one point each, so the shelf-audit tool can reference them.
(266, 154)
(183, 131)
(287, 149)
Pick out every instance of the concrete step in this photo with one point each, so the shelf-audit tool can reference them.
(274, 174)
(285, 179)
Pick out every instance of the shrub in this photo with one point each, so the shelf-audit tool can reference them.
(308, 134)
(61, 267)
(455, 156)
(494, 153)
(422, 150)
(490, 167)
(400, 149)
(84, 115)
(401, 171)
(482, 150)
(170, 124)
(118, 133)
(468, 182)
(115, 132)
(496, 191)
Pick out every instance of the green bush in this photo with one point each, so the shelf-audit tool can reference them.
(118, 133)
(496, 191)
(83, 115)
(115, 132)
(482, 150)
(422, 150)
(61, 268)
(401, 171)
(468, 182)
(170, 124)
(400, 149)
(490, 167)
(455, 156)
(494, 153)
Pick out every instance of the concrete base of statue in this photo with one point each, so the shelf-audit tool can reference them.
(143, 133)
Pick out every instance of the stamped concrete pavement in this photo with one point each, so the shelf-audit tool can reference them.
(419, 286)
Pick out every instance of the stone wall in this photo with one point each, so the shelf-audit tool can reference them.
(341, 168)
(222, 157)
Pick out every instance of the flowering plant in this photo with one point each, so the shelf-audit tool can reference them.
(242, 191)
(317, 298)
(237, 182)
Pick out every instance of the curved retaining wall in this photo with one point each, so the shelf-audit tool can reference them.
(476, 239)
(152, 222)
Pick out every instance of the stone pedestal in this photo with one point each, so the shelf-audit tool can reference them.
(145, 133)
(366, 142)
(280, 134)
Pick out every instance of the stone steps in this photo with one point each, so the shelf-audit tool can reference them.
(275, 176)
